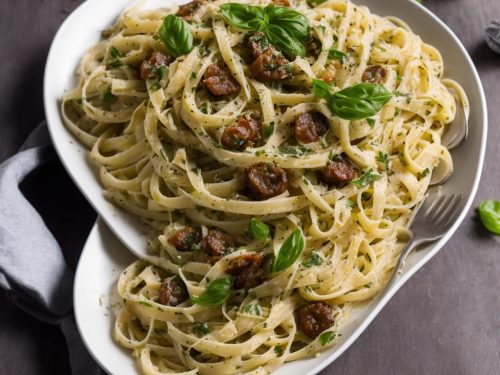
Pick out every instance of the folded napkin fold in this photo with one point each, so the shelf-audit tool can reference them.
(493, 36)
(33, 271)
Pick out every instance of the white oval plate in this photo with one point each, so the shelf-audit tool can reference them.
(103, 253)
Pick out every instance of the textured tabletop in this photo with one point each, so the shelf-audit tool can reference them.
(445, 320)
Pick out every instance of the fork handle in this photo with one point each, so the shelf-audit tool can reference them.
(410, 246)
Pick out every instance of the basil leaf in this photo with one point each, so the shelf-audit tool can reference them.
(289, 251)
(176, 35)
(293, 22)
(322, 90)
(359, 101)
(489, 212)
(286, 29)
(258, 230)
(217, 292)
(327, 337)
(313, 260)
(244, 16)
(284, 41)
(366, 179)
(334, 54)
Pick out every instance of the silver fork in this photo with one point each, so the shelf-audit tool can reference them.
(436, 215)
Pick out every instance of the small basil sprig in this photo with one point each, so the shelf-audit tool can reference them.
(257, 230)
(176, 35)
(355, 102)
(489, 212)
(285, 28)
(289, 251)
(217, 292)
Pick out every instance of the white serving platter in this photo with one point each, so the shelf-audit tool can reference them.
(104, 256)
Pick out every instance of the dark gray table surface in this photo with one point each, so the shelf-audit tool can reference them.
(446, 320)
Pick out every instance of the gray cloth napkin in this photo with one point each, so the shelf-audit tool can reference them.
(33, 272)
(493, 36)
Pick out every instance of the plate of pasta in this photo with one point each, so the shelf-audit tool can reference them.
(263, 160)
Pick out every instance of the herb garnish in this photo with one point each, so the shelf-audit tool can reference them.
(489, 212)
(285, 28)
(355, 102)
(327, 337)
(289, 251)
(176, 35)
(334, 54)
(257, 230)
(383, 158)
(366, 179)
(313, 260)
(252, 309)
(201, 329)
(217, 292)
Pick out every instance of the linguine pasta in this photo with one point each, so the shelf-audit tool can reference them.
(157, 143)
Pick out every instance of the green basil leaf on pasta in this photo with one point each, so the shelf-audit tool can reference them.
(217, 292)
(289, 251)
(258, 230)
(293, 22)
(366, 179)
(284, 41)
(322, 90)
(327, 337)
(489, 212)
(334, 54)
(176, 35)
(359, 101)
(244, 16)
(286, 29)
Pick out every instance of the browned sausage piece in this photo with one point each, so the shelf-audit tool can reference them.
(338, 172)
(151, 67)
(217, 244)
(374, 74)
(281, 3)
(248, 270)
(314, 318)
(258, 43)
(266, 180)
(219, 81)
(310, 127)
(271, 65)
(188, 9)
(173, 291)
(185, 238)
(242, 134)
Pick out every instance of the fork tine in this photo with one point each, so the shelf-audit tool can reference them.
(448, 204)
(431, 205)
(455, 210)
(438, 207)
